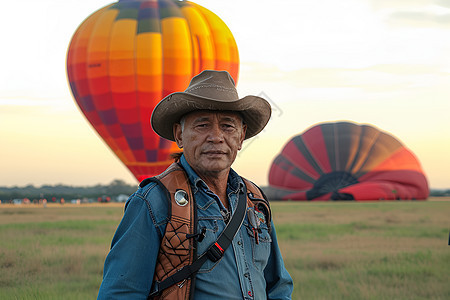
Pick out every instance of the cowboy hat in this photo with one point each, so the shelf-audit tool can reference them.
(210, 90)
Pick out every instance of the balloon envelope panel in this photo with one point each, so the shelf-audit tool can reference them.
(347, 161)
(127, 56)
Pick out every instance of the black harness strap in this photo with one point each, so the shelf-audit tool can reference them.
(214, 252)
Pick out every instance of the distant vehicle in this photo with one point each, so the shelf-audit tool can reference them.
(104, 199)
(17, 201)
(122, 198)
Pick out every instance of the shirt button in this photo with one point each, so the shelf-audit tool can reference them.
(239, 243)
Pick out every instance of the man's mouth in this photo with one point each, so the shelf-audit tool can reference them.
(214, 152)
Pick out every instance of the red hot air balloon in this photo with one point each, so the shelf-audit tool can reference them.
(127, 56)
(346, 161)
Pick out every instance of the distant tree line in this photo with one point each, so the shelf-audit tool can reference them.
(115, 188)
(440, 193)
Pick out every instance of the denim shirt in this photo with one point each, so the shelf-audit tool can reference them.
(248, 270)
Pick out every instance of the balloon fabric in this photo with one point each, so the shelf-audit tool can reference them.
(127, 56)
(346, 161)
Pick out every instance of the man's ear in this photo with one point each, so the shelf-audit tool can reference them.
(177, 134)
(244, 130)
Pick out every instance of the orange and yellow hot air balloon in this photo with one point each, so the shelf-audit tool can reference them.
(127, 56)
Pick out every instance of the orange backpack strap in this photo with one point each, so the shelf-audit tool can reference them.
(257, 200)
(177, 247)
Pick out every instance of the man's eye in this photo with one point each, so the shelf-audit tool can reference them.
(228, 126)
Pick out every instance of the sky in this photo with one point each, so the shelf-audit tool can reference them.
(379, 62)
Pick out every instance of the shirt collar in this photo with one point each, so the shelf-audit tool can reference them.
(234, 183)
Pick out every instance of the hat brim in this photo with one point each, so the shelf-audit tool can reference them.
(255, 110)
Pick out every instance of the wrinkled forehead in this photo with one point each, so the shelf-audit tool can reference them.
(220, 115)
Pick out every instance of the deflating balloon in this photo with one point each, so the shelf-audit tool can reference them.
(347, 161)
(127, 56)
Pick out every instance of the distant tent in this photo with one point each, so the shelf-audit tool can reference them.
(346, 161)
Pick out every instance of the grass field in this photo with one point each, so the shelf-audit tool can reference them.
(339, 250)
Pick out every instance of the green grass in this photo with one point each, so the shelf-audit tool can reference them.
(383, 250)
(54, 252)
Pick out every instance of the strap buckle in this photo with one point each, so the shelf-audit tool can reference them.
(215, 252)
(155, 291)
(198, 236)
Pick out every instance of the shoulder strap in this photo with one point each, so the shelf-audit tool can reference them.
(214, 252)
(177, 249)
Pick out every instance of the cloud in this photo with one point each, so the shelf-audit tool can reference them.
(406, 4)
(29, 102)
(419, 19)
(30, 106)
(414, 13)
(443, 3)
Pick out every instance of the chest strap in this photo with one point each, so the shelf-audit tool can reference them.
(214, 252)
(177, 264)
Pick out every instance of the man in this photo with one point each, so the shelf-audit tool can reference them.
(209, 122)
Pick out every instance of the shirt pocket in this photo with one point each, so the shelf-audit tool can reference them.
(260, 243)
(213, 230)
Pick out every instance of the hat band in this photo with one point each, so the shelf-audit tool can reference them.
(213, 91)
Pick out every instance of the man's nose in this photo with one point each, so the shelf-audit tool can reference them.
(215, 134)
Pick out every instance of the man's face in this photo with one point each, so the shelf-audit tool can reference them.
(210, 140)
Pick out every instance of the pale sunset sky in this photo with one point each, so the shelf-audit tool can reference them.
(379, 62)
